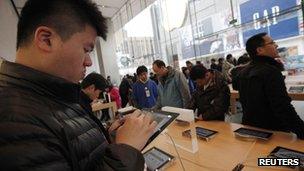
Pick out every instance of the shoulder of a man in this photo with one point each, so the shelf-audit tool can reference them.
(28, 129)
(261, 70)
(15, 99)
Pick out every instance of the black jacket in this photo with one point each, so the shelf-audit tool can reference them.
(264, 97)
(44, 127)
(213, 102)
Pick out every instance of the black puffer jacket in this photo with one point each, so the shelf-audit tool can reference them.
(264, 98)
(213, 102)
(43, 127)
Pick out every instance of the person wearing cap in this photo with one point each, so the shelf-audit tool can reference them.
(144, 94)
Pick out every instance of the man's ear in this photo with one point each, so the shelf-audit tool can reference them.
(44, 37)
(259, 50)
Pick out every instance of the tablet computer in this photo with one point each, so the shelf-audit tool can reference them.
(156, 159)
(296, 89)
(282, 152)
(201, 133)
(251, 133)
(163, 120)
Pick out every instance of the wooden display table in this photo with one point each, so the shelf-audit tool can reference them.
(224, 151)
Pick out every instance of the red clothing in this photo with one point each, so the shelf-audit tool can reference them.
(114, 93)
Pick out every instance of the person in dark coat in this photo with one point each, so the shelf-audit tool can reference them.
(93, 86)
(213, 65)
(212, 96)
(125, 88)
(242, 62)
(262, 89)
(43, 124)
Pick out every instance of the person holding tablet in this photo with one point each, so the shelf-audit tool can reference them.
(43, 126)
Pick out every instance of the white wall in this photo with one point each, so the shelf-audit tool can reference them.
(8, 30)
(108, 59)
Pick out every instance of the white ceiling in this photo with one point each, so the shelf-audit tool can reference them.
(107, 7)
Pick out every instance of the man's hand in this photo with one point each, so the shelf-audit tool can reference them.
(116, 124)
(136, 130)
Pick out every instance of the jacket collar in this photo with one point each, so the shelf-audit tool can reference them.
(268, 60)
(39, 82)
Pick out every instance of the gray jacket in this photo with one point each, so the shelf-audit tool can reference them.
(172, 90)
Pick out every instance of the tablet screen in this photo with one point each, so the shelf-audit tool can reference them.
(156, 158)
(296, 89)
(281, 152)
(253, 133)
(163, 119)
(204, 132)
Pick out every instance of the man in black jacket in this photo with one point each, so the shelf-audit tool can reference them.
(263, 94)
(212, 96)
(42, 124)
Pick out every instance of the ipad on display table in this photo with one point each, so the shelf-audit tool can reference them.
(163, 120)
(251, 133)
(282, 152)
(157, 159)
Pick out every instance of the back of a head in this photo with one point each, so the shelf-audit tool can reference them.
(94, 78)
(159, 63)
(141, 69)
(66, 17)
(198, 72)
(253, 43)
(184, 70)
(188, 63)
(229, 56)
(243, 60)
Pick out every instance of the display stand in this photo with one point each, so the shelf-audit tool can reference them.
(186, 121)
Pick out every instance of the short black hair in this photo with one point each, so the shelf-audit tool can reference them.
(228, 56)
(212, 60)
(141, 69)
(159, 63)
(253, 43)
(243, 60)
(66, 17)
(220, 59)
(95, 79)
(188, 62)
(198, 72)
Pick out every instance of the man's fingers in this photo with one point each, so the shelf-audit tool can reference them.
(153, 125)
(136, 113)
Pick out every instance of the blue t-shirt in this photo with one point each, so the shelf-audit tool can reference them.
(144, 95)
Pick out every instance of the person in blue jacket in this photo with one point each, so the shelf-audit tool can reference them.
(144, 92)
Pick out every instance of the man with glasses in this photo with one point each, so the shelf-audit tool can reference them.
(263, 94)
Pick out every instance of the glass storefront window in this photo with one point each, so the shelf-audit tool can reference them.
(198, 30)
